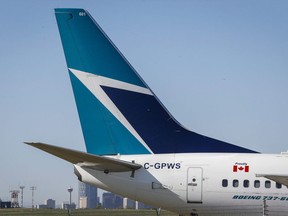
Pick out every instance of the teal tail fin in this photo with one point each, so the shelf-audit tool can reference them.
(118, 112)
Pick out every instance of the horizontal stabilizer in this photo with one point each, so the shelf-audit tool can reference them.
(281, 179)
(87, 160)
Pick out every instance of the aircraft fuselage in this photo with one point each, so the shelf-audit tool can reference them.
(200, 183)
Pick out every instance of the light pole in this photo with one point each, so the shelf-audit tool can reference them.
(70, 189)
(22, 188)
(33, 188)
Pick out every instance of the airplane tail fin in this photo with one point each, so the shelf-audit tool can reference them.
(118, 112)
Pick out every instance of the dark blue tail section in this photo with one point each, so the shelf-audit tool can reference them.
(160, 130)
(119, 114)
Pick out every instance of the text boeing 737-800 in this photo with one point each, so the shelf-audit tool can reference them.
(135, 148)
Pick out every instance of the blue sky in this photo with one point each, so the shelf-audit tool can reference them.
(220, 67)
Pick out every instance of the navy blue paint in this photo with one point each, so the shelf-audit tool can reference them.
(159, 130)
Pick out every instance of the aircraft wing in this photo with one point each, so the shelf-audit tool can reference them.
(87, 160)
(281, 179)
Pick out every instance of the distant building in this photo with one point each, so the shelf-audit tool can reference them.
(65, 205)
(50, 203)
(14, 198)
(128, 204)
(132, 204)
(83, 202)
(5, 204)
(87, 196)
(144, 206)
(112, 201)
(42, 206)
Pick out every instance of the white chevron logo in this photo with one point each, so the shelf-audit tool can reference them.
(93, 83)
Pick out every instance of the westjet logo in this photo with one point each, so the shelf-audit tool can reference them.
(96, 85)
(240, 167)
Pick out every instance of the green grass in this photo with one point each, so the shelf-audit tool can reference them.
(82, 212)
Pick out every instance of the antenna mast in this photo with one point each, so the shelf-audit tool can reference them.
(33, 188)
(22, 188)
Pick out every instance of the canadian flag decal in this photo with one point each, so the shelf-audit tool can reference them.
(241, 167)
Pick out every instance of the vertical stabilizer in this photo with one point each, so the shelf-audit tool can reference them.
(118, 112)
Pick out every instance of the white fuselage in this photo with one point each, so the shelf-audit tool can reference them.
(200, 183)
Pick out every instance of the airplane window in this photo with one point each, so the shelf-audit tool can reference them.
(235, 183)
(278, 185)
(267, 184)
(256, 183)
(246, 183)
(224, 182)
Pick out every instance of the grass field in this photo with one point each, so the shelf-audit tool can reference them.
(80, 212)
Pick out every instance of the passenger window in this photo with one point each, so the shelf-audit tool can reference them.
(256, 183)
(278, 185)
(235, 183)
(246, 183)
(267, 184)
(224, 183)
